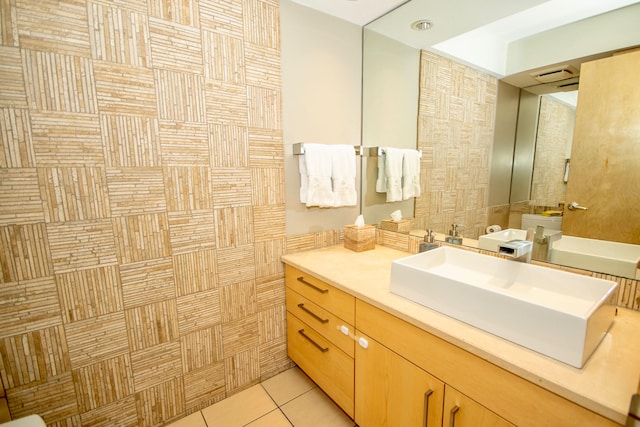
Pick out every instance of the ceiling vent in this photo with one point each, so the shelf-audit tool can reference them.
(555, 74)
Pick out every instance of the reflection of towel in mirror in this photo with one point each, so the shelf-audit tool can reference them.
(318, 158)
(393, 170)
(410, 174)
(343, 175)
(304, 178)
(381, 181)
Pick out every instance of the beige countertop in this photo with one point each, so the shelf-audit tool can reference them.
(605, 384)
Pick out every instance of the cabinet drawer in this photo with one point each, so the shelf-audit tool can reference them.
(323, 322)
(327, 365)
(328, 297)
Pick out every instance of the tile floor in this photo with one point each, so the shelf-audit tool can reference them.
(288, 399)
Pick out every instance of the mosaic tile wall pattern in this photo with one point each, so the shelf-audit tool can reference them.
(141, 206)
(456, 116)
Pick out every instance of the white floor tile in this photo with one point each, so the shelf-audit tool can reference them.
(301, 404)
(239, 409)
(194, 420)
(273, 419)
(315, 409)
(288, 385)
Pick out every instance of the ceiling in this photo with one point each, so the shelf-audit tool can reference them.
(477, 33)
(523, 17)
(359, 12)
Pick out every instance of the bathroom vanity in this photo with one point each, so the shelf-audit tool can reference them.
(389, 361)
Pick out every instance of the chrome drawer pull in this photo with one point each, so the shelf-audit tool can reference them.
(312, 314)
(452, 418)
(322, 291)
(318, 346)
(427, 395)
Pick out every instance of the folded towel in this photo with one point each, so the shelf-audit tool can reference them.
(343, 175)
(318, 159)
(304, 178)
(393, 170)
(381, 181)
(410, 174)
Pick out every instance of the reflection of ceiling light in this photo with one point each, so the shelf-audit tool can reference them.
(422, 25)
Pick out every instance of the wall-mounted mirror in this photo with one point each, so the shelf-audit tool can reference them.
(390, 94)
(542, 150)
(393, 92)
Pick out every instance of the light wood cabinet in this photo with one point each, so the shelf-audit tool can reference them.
(461, 411)
(406, 376)
(322, 320)
(484, 384)
(391, 391)
(320, 332)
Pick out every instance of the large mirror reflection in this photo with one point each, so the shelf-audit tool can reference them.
(495, 150)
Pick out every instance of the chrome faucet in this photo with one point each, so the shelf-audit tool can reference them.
(517, 250)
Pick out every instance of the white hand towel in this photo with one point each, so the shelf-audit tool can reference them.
(381, 181)
(343, 175)
(393, 169)
(318, 162)
(304, 178)
(410, 174)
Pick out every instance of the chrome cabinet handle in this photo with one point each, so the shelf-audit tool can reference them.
(427, 395)
(575, 206)
(452, 416)
(322, 291)
(312, 314)
(308, 338)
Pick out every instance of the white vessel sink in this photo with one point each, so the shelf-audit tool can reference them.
(619, 259)
(490, 242)
(559, 314)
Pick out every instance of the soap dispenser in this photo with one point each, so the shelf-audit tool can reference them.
(429, 242)
(454, 235)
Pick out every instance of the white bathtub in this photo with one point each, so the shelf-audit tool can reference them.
(619, 259)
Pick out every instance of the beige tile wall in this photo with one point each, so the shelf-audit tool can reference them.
(456, 119)
(141, 206)
(498, 214)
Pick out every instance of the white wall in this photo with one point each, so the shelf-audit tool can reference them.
(580, 39)
(390, 94)
(321, 60)
(390, 114)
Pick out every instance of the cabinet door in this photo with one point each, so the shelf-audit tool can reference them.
(461, 411)
(391, 391)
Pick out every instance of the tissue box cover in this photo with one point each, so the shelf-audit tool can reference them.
(360, 238)
(402, 226)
